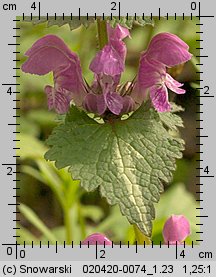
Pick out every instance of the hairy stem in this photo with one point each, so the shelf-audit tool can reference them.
(102, 32)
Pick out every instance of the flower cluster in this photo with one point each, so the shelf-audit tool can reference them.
(176, 230)
(105, 94)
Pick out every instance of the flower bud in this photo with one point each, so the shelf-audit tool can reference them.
(96, 237)
(176, 229)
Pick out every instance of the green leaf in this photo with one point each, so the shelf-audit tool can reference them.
(73, 23)
(130, 21)
(171, 120)
(31, 216)
(128, 159)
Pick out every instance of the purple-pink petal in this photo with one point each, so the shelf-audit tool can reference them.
(114, 102)
(108, 62)
(50, 41)
(99, 103)
(174, 85)
(59, 100)
(47, 54)
(138, 94)
(159, 97)
(176, 229)
(117, 33)
(43, 61)
(150, 73)
(120, 48)
(128, 104)
(98, 238)
(168, 49)
(95, 103)
(70, 78)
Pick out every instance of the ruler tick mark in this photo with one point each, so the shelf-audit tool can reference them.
(201, 56)
(39, 9)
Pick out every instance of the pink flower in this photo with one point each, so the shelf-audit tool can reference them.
(98, 238)
(50, 54)
(157, 81)
(108, 66)
(165, 50)
(176, 229)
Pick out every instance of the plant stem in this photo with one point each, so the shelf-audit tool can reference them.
(67, 223)
(102, 32)
(140, 237)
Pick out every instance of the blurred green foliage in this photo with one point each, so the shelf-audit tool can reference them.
(55, 207)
